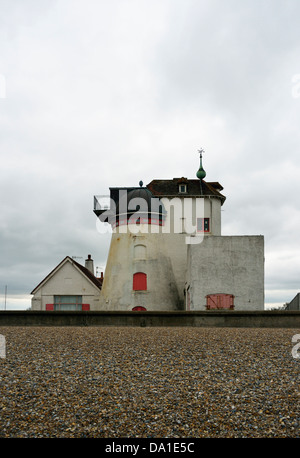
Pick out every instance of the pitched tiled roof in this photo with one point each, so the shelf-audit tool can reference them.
(194, 188)
(97, 281)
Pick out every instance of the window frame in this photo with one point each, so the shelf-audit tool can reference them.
(184, 187)
(76, 304)
(205, 225)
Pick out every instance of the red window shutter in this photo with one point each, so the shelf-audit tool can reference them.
(85, 307)
(139, 281)
(49, 306)
(203, 225)
(206, 224)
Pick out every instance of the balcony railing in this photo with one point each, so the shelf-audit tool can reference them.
(101, 204)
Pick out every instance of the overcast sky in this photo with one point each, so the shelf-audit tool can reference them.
(101, 93)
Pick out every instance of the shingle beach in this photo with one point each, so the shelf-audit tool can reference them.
(76, 382)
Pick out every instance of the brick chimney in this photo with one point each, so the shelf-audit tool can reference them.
(89, 264)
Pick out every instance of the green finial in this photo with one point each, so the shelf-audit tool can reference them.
(201, 172)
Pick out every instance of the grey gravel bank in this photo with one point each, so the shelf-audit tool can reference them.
(174, 382)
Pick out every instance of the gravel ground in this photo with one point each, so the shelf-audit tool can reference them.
(76, 382)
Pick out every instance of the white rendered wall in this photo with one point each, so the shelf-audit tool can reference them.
(124, 259)
(229, 265)
(183, 211)
(176, 244)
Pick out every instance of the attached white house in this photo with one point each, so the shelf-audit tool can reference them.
(69, 286)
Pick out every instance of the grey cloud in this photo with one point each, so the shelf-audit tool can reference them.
(104, 94)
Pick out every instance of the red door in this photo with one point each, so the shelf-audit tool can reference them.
(139, 281)
(220, 301)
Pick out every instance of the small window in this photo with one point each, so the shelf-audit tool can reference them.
(182, 188)
(203, 225)
(139, 281)
(67, 302)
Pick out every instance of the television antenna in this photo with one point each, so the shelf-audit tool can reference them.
(99, 268)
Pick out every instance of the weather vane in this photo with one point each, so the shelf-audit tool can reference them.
(201, 172)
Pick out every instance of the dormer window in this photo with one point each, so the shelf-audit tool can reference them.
(182, 188)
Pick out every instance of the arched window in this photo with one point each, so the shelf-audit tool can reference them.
(140, 252)
(139, 281)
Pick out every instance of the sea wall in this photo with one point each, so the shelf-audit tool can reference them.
(212, 318)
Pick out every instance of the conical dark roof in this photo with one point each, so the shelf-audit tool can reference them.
(139, 200)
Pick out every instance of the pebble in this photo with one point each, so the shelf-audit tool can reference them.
(171, 382)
